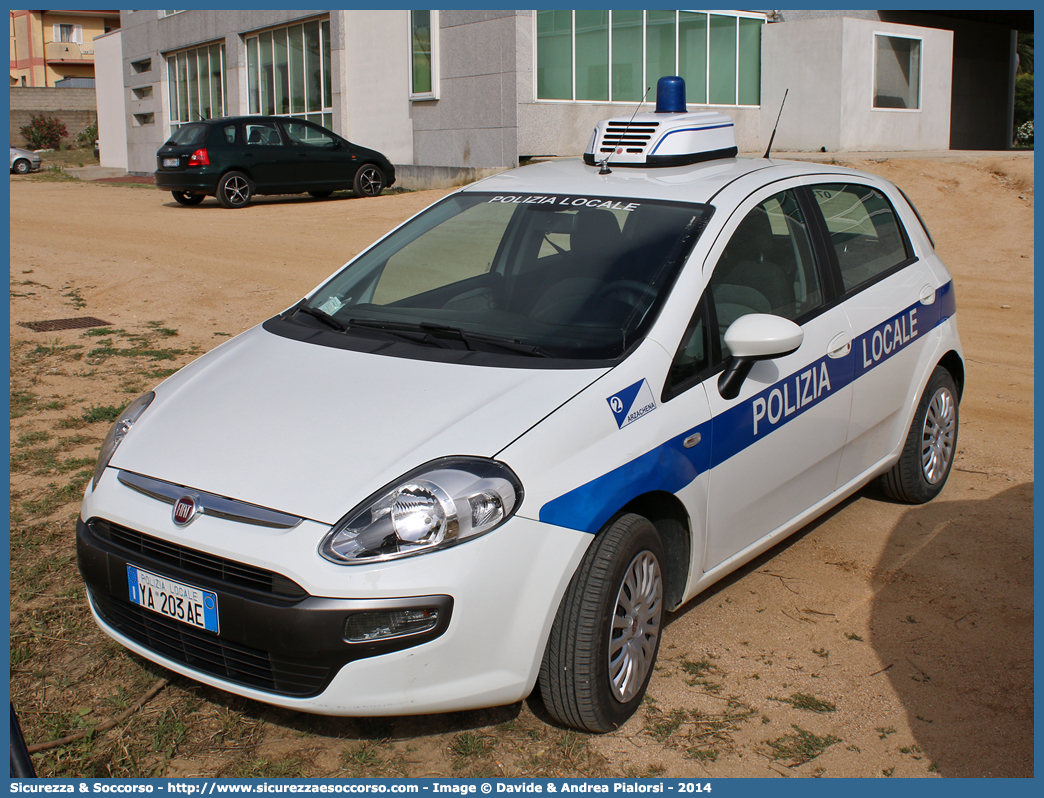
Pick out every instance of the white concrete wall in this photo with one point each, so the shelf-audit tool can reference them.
(803, 60)
(111, 100)
(372, 81)
(828, 65)
(864, 127)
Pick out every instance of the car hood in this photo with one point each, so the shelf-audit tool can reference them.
(313, 430)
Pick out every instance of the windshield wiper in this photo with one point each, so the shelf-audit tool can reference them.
(432, 333)
(323, 316)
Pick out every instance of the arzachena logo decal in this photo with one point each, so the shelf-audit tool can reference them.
(632, 403)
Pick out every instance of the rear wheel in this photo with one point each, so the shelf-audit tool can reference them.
(369, 181)
(21, 166)
(606, 635)
(930, 445)
(187, 197)
(234, 190)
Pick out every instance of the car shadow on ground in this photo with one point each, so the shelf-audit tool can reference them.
(952, 624)
(261, 200)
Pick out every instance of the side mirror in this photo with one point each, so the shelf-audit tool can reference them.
(754, 337)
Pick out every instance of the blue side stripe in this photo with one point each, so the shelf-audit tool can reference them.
(670, 466)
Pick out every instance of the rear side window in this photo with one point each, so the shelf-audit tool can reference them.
(864, 232)
(261, 134)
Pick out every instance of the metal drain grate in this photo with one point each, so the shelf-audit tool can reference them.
(64, 324)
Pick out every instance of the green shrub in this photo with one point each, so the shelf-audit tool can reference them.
(44, 132)
(87, 136)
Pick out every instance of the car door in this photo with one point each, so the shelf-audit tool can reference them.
(320, 160)
(891, 300)
(265, 156)
(777, 444)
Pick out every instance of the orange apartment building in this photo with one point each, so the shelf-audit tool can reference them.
(48, 46)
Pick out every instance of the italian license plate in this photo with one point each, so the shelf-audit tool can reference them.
(172, 599)
(170, 161)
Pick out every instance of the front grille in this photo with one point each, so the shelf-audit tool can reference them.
(206, 652)
(634, 136)
(208, 566)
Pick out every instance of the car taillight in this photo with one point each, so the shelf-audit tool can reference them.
(199, 158)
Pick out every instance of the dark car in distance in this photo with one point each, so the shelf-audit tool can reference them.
(235, 158)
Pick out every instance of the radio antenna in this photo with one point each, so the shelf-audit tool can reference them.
(605, 170)
(773, 136)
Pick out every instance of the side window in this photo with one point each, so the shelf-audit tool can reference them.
(261, 134)
(229, 132)
(304, 135)
(864, 231)
(693, 354)
(767, 267)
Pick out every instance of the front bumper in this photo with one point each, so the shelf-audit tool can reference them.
(283, 613)
(274, 636)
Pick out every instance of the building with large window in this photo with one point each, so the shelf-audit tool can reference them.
(459, 92)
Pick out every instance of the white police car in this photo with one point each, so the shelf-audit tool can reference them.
(493, 450)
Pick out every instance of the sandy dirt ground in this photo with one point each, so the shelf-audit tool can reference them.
(882, 640)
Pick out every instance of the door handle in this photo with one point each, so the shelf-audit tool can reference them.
(927, 296)
(839, 346)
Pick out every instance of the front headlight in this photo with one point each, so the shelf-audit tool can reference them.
(437, 505)
(118, 432)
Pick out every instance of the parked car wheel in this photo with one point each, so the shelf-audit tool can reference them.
(187, 197)
(930, 445)
(605, 637)
(369, 181)
(320, 194)
(234, 190)
(21, 167)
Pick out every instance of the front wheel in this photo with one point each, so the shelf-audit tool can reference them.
(368, 182)
(930, 445)
(234, 190)
(187, 197)
(606, 634)
(21, 166)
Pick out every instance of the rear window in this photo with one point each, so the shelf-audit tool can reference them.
(188, 135)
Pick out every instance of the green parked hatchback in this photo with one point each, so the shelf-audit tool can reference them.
(237, 157)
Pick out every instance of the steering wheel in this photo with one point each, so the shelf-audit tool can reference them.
(632, 292)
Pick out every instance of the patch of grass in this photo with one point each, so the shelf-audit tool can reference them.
(93, 415)
(290, 767)
(884, 731)
(662, 727)
(698, 671)
(163, 332)
(36, 436)
(800, 747)
(854, 636)
(106, 351)
(807, 702)
(74, 297)
(21, 403)
(468, 745)
(821, 652)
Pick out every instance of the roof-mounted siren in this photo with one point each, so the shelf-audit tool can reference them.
(668, 137)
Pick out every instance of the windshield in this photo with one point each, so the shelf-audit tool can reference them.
(544, 275)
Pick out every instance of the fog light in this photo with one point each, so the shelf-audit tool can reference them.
(366, 626)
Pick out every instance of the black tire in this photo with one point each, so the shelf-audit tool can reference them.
(610, 619)
(320, 194)
(21, 167)
(369, 181)
(930, 445)
(234, 190)
(187, 197)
